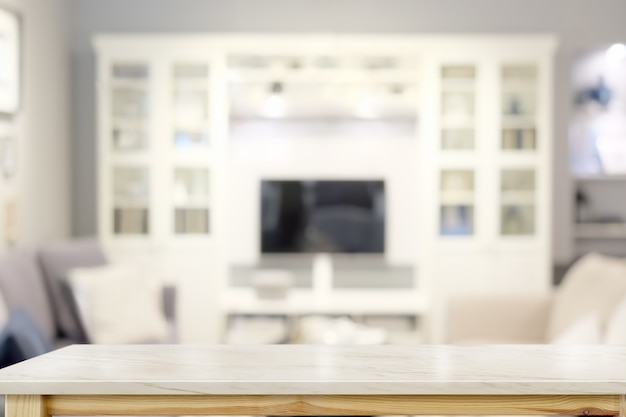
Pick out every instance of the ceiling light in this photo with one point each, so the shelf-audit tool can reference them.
(367, 107)
(274, 105)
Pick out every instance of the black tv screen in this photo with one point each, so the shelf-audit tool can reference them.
(322, 216)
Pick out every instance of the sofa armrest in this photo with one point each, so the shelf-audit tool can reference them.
(498, 319)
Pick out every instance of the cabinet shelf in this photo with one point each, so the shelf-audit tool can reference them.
(600, 178)
(452, 122)
(466, 86)
(600, 230)
(527, 86)
(518, 121)
(453, 198)
(124, 202)
(326, 76)
(135, 157)
(517, 197)
(194, 85)
(128, 84)
(199, 126)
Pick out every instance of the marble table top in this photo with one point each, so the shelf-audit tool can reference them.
(308, 369)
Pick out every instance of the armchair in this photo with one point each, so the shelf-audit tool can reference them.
(595, 284)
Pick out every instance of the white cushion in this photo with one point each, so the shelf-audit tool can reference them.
(119, 303)
(595, 284)
(615, 333)
(586, 331)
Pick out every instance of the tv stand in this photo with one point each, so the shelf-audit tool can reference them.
(358, 286)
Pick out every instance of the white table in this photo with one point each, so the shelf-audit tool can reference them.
(318, 380)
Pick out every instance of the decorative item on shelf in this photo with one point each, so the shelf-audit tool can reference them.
(518, 139)
(582, 206)
(10, 56)
(518, 220)
(456, 220)
(599, 93)
(272, 284)
(184, 140)
(515, 107)
(127, 139)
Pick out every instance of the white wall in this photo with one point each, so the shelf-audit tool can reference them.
(273, 157)
(41, 186)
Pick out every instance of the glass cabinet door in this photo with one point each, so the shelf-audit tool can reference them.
(131, 194)
(457, 203)
(457, 107)
(519, 107)
(129, 107)
(191, 201)
(190, 106)
(517, 199)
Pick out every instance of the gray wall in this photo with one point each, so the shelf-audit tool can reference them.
(580, 24)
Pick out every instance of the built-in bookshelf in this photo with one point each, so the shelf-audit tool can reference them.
(486, 173)
(475, 109)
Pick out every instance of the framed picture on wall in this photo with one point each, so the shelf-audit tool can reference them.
(10, 54)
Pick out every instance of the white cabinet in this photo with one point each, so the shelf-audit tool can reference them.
(475, 112)
(156, 158)
(159, 156)
(487, 173)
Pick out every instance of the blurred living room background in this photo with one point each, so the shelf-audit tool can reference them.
(329, 171)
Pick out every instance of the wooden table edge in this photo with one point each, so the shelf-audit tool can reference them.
(311, 405)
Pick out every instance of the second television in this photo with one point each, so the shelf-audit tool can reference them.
(333, 216)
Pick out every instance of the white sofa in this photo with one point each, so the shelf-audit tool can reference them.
(588, 307)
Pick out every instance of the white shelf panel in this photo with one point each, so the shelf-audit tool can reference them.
(454, 122)
(128, 84)
(196, 157)
(202, 203)
(326, 76)
(196, 85)
(134, 123)
(600, 231)
(518, 197)
(526, 87)
(201, 126)
(600, 178)
(466, 86)
(518, 158)
(130, 158)
(457, 198)
(337, 302)
(457, 159)
(125, 202)
(521, 121)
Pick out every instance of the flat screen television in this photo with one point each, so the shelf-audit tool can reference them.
(311, 216)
